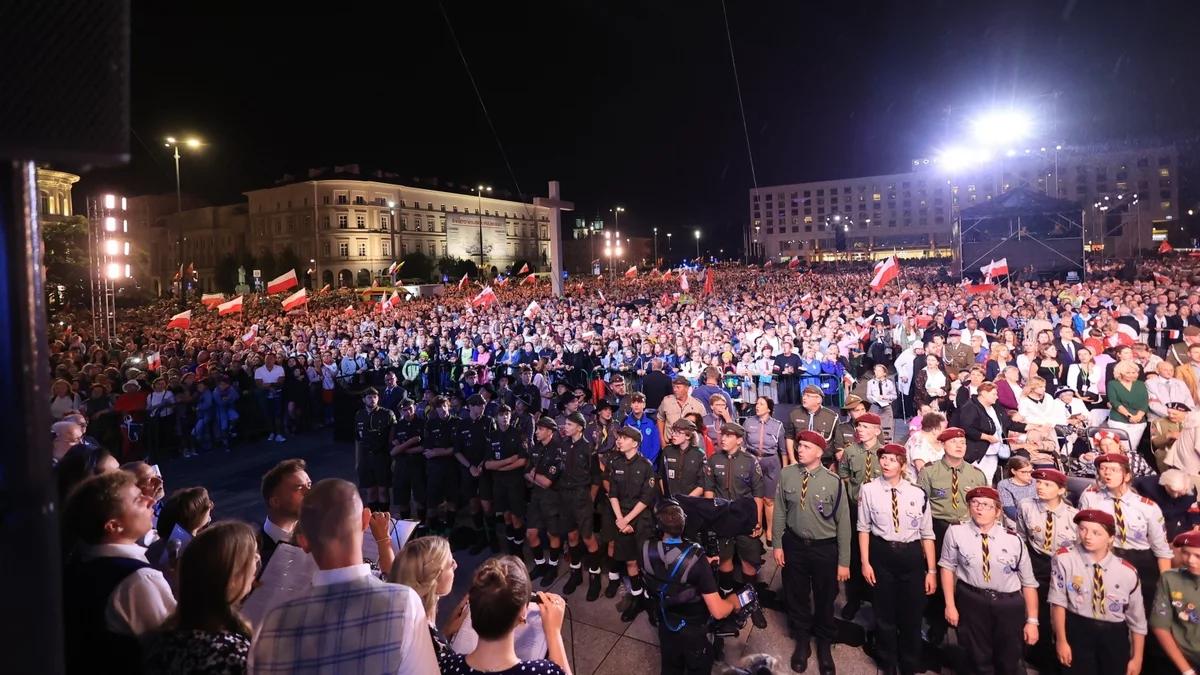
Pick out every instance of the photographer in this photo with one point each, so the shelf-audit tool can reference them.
(685, 593)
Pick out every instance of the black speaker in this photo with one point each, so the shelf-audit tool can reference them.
(839, 237)
(65, 81)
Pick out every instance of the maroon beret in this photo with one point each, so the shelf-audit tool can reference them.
(1190, 538)
(951, 432)
(1052, 475)
(1113, 458)
(1097, 516)
(869, 418)
(983, 492)
(811, 437)
(893, 449)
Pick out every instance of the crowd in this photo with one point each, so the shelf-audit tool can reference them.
(1019, 465)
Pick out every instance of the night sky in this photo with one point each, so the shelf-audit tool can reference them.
(635, 103)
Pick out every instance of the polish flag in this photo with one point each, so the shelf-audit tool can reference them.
(794, 263)
(698, 322)
(524, 269)
(181, 320)
(296, 299)
(350, 310)
(532, 310)
(282, 282)
(251, 336)
(395, 299)
(708, 282)
(1161, 278)
(500, 281)
(211, 299)
(683, 282)
(234, 305)
(885, 271)
(1165, 247)
(463, 281)
(979, 289)
(996, 268)
(486, 297)
(666, 301)
(153, 362)
(529, 280)
(768, 265)
(631, 272)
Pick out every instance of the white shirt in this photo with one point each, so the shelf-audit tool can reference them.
(276, 533)
(1038, 412)
(268, 376)
(341, 575)
(142, 601)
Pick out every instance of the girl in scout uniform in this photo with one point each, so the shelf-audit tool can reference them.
(1047, 524)
(1175, 614)
(1096, 603)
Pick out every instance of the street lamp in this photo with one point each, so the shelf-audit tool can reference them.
(479, 190)
(669, 247)
(697, 243)
(656, 246)
(192, 143)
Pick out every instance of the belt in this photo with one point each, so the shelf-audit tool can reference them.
(811, 542)
(894, 544)
(985, 592)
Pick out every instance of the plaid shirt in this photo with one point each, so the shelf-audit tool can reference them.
(349, 622)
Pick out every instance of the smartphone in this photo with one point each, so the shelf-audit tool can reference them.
(746, 596)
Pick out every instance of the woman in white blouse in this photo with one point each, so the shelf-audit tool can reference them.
(1035, 407)
(62, 399)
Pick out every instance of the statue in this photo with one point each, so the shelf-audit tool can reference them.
(241, 275)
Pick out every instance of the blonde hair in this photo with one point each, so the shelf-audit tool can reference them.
(419, 566)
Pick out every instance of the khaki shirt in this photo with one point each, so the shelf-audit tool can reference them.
(875, 513)
(1071, 575)
(732, 476)
(1176, 609)
(1144, 529)
(824, 421)
(1008, 561)
(1034, 521)
(820, 510)
(957, 358)
(859, 466)
(937, 480)
(670, 410)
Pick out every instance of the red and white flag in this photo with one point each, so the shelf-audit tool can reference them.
(885, 271)
(1165, 247)
(296, 299)
(1161, 279)
(996, 268)
(631, 272)
(210, 300)
(708, 282)
(524, 269)
(181, 320)
(698, 322)
(532, 310)
(683, 282)
(768, 265)
(153, 362)
(794, 263)
(251, 336)
(282, 282)
(500, 281)
(530, 280)
(234, 305)
(486, 297)
(349, 310)
(463, 281)
(602, 298)
(395, 299)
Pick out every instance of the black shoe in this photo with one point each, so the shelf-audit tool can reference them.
(574, 582)
(760, 621)
(825, 658)
(800, 655)
(593, 587)
(550, 576)
(850, 610)
(632, 610)
(538, 570)
(614, 585)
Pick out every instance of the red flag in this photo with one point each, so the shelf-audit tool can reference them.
(683, 282)
(979, 289)
(885, 271)
(530, 280)
(1194, 254)
(375, 283)
(524, 269)
(708, 281)
(666, 301)
(153, 362)
(794, 263)
(282, 282)
(250, 336)
(768, 265)
(698, 322)
(234, 305)
(486, 297)
(211, 300)
(1165, 247)
(181, 320)
(631, 272)
(463, 281)
(500, 281)
(296, 299)
(395, 299)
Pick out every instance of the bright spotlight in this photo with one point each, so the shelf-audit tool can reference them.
(1002, 126)
(954, 159)
(112, 247)
(114, 271)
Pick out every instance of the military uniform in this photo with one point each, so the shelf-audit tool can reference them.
(408, 469)
(812, 527)
(545, 505)
(1103, 602)
(947, 490)
(732, 476)
(579, 470)
(1141, 535)
(1175, 610)
(631, 481)
(372, 431)
(682, 469)
(441, 476)
(509, 492)
(897, 518)
(957, 358)
(1045, 531)
(990, 569)
(824, 421)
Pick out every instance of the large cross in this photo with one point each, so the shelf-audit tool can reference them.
(556, 206)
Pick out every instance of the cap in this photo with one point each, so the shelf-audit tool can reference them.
(1191, 331)
(1182, 407)
(630, 432)
(370, 391)
(733, 428)
(813, 389)
(1112, 458)
(1063, 390)
(1099, 517)
(406, 403)
(603, 404)
(983, 492)
(851, 401)
(1103, 434)
(683, 424)
(1190, 538)
(476, 400)
(130, 385)
(679, 379)
(951, 433)
(547, 423)
(811, 437)
(893, 449)
(1052, 475)
(577, 418)
(869, 418)
(637, 396)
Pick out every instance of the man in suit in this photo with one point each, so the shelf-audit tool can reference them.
(985, 425)
(349, 621)
(656, 385)
(1067, 345)
(283, 490)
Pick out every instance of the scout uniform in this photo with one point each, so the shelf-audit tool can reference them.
(898, 518)
(1176, 604)
(631, 481)
(683, 468)
(509, 492)
(579, 509)
(812, 513)
(441, 478)
(408, 469)
(990, 569)
(731, 476)
(823, 421)
(545, 505)
(858, 465)
(1045, 531)
(843, 434)
(1103, 603)
(765, 440)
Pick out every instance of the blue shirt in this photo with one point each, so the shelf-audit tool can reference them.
(650, 446)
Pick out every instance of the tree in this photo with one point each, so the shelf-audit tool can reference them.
(456, 267)
(416, 266)
(65, 254)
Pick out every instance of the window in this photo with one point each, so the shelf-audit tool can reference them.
(387, 248)
(342, 199)
(403, 249)
(325, 249)
(770, 230)
(362, 249)
(343, 221)
(358, 199)
(360, 221)
(1164, 172)
(808, 220)
(325, 200)
(1166, 206)
(344, 249)
(385, 222)
(1164, 161)
(1143, 161)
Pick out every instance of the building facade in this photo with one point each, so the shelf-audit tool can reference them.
(350, 228)
(1128, 197)
(54, 193)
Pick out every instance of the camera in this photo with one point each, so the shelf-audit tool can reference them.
(731, 625)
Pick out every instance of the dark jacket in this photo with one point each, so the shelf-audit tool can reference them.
(656, 386)
(974, 420)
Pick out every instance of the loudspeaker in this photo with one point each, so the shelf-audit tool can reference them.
(65, 81)
(839, 237)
